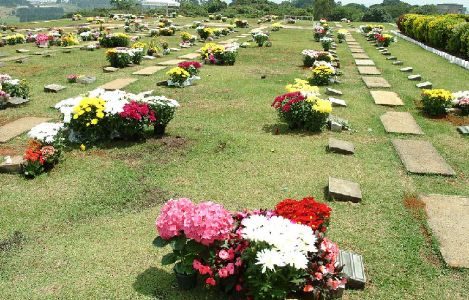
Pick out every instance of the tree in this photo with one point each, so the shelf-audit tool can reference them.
(213, 6)
(376, 14)
(428, 9)
(323, 8)
(347, 12)
(303, 3)
(124, 4)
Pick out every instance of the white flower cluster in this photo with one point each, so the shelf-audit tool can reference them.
(290, 243)
(458, 96)
(314, 53)
(129, 51)
(46, 132)
(232, 47)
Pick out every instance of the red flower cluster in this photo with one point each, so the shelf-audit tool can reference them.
(187, 64)
(306, 211)
(138, 111)
(287, 100)
(36, 152)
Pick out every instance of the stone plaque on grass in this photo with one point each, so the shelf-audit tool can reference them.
(364, 62)
(17, 127)
(149, 70)
(407, 69)
(364, 70)
(339, 146)
(190, 56)
(360, 56)
(110, 69)
(376, 82)
(337, 102)
(22, 50)
(391, 58)
(421, 157)
(171, 62)
(344, 190)
(333, 92)
(386, 98)
(86, 79)
(448, 218)
(425, 85)
(416, 77)
(400, 122)
(118, 84)
(398, 63)
(354, 269)
(12, 165)
(357, 50)
(464, 130)
(53, 88)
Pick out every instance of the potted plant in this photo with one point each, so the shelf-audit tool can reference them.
(326, 43)
(164, 109)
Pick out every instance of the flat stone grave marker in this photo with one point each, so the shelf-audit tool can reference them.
(360, 56)
(447, 218)
(228, 41)
(149, 70)
(333, 92)
(416, 77)
(464, 130)
(407, 69)
(391, 58)
(190, 56)
(387, 53)
(175, 49)
(425, 85)
(354, 269)
(118, 84)
(351, 43)
(400, 122)
(376, 82)
(110, 69)
(339, 146)
(364, 62)
(22, 50)
(398, 63)
(337, 102)
(171, 62)
(149, 57)
(421, 157)
(344, 190)
(357, 50)
(14, 58)
(17, 127)
(86, 79)
(368, 70)
(53, 88)
(15, 101)
(12, 165)
(386, 98)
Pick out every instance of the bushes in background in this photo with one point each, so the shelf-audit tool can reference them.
(446, 32)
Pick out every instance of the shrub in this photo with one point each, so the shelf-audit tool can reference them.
(436, 101)
(115, 40)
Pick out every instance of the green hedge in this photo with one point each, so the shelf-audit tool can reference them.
(445, 32)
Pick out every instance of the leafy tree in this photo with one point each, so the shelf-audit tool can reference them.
(376, 14)
(302, 3)
(213, 6)
(323, 8)
(124, 4)
(352, 11)
(428, 9)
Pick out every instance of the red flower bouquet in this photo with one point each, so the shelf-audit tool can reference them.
(191, 66)
(306, 211)
(134, 118)
(39, 158)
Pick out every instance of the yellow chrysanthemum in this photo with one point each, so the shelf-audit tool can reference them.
(322, 106)
(301, 85)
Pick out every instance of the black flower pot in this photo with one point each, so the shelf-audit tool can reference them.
(159, 130)
(186, 282)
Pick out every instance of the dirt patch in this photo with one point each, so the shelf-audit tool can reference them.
(10, 151)
(417, 208)
(31, 70)
(151, 197)
(13, 242)
(171, 142)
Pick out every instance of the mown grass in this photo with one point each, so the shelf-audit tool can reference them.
(88, 225)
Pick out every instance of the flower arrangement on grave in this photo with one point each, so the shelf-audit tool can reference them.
(187, 38)
(319, 32)
(436, 101)
(69, 40)
(241, 23)
(192, 67)
(72, 78)
(140, 45)
(341, 33)
(322, 73)
(153, 48)
(115, 40)
(166, 31)
(178, 77)
(224, 19)
(302, 86)
(261, 38)
(90, 35)
(104, 115)
(42, 39)
(276, 27)
(13, 87)
(326, 43)
(14, 39)
(205, 32)
(77, 17)
(461, 100)
(44, 149)
(219, 55)
(311, 56)
(122, 57)
(384, 40)
(251, 254)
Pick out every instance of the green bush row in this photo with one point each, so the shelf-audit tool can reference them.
(445, 32)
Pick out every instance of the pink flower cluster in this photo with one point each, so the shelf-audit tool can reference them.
(138, 111)
(204, 223)
(42, 39)
(207, 223)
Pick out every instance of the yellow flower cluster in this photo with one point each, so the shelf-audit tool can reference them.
(277, 25)
(320, 105)
(209, 31)
(16, 36)
(178, 72)
(70, 40)
(139, 45)
(301, 85)
(185, 36)
(94, 106)
(212, 48)
(89, 19)
(439, 94)
(323, 70)
(122, 35)
(342, 31)
(111, 52)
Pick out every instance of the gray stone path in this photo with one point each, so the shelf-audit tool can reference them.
(371, 70)
(364, 62)
(400, 122)
(118, 84)
(149, 70)
(19, 126)
(376, 82)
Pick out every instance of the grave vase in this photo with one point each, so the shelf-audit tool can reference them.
(186, 282)
(159, 130)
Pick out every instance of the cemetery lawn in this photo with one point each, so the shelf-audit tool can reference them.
(87, 227)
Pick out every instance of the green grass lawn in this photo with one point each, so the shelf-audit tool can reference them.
(87, 226)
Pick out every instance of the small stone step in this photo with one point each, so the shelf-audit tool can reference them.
(387, 53)
(464, 130)
(425, 85)
(416, 77)
(12, 165)
(339, 146)
(344, 190)
(407, 69)
(391, 58)
(22, 50)
(398, 63)
(53, 88)
(15, 101)
(110, 69)
(86, 79)
(333, 92)
(337, 102)
(354, 269)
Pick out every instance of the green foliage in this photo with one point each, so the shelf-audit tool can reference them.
(20, 90)
(323, 8)
(377, 14)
